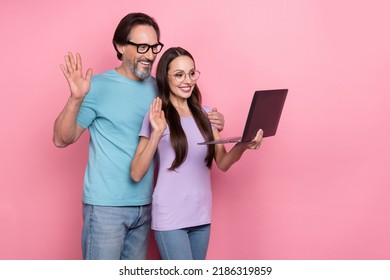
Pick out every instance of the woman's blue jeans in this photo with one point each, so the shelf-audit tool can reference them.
(183, 244)
(114, 233)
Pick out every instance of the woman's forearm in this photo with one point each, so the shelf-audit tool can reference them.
(143, 157)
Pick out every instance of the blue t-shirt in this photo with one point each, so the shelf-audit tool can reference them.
(113, 111)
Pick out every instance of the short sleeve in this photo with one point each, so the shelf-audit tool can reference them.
(145, 128)
(87, 113)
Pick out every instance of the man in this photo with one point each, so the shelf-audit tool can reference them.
(116, 210)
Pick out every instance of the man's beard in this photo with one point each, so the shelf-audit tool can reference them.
(141, 74)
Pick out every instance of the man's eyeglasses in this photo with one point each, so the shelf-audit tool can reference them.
(144, 48)
(180, 76)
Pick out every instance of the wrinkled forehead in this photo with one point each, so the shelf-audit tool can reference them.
(144, 34)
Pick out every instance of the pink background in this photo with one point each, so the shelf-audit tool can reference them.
(319, 189)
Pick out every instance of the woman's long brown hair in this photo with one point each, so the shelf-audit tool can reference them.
(177, 136)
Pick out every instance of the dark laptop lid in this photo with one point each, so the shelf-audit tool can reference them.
(264, 113)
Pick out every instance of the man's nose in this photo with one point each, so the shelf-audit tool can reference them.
(150, 55)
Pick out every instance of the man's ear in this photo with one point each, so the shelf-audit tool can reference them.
(120, 48)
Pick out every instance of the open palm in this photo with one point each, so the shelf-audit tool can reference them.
(78, 84)
(157, 117)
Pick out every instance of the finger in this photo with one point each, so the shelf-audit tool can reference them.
(156, 106)
(217, 116)
(88, 75)
(152, 106)
(213, 112)
(64, 71)
(218, 127)
(159, 104)
(67, 62)
(78, 62)
(212, 116)
(259, 136)
(72, 61)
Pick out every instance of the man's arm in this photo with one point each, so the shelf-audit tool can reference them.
(66, 131)
(216, 119)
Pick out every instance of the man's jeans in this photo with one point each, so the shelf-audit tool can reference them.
(113, 233)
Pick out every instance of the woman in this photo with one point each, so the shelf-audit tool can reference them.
(181, 207)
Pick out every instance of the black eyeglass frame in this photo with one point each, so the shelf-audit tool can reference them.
(161, 45)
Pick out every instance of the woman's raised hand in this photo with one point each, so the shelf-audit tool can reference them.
(157, 117)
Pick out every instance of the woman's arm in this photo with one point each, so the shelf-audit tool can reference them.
(225, 159)
(143, 157)
(147, 147)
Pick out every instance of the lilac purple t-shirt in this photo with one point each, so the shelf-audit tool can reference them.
(181, 198)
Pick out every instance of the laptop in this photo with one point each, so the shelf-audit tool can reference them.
(264, 113)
